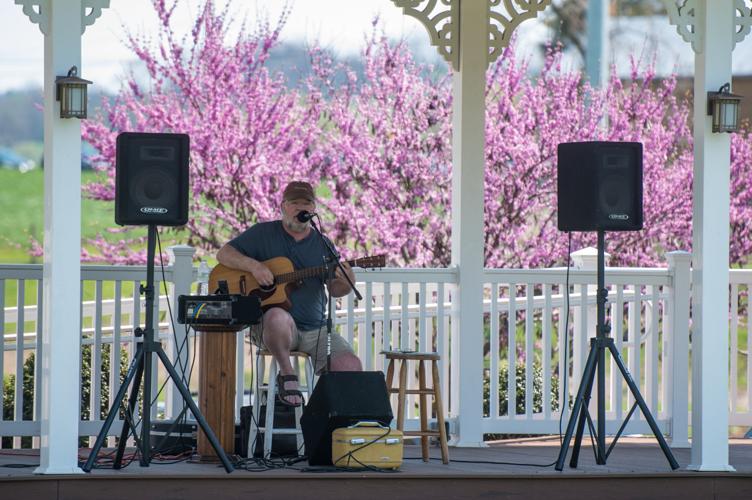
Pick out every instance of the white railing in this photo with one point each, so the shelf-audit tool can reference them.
(411, 309)
(740, 344)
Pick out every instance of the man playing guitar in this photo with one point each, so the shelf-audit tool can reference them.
(302, 327)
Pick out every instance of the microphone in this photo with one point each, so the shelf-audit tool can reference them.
(305, 215)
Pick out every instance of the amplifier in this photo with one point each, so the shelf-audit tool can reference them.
(219, 309)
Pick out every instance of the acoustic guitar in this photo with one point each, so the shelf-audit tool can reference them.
(286, 278)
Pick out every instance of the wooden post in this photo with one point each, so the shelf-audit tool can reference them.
(216, 392)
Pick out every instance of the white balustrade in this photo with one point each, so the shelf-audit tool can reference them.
(525, 311)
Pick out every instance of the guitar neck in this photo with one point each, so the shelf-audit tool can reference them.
(309, 272)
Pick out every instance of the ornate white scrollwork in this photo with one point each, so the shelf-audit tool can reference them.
(38, 12)
(439, 17)
(94, 8)
(683, 15)
(742, 20)
(501, 27)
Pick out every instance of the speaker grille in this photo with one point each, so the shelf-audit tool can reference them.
(151, 181)
(154, 188)
(599, 186)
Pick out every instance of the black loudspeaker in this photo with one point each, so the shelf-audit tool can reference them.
(341, 399)
(599, 186)
(151, 179)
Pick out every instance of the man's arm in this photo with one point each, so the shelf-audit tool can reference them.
(339, 286)
(232, 257)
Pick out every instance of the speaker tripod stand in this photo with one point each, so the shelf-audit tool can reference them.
(140, 371)
(596, 365)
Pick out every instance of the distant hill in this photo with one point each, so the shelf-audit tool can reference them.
(21, 117)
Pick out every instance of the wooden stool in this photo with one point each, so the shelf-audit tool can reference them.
(401, 390)
(267, 393)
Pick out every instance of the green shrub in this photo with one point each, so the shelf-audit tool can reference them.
(9, 394)
(9, 389)
(520, 390)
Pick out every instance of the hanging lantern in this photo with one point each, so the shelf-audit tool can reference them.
(723, 106)
(71, 92)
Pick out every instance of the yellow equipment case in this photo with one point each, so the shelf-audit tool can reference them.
(367, 444)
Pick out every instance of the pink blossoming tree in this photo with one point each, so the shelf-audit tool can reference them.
(378, 145)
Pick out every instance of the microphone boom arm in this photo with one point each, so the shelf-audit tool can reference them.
(334, 255)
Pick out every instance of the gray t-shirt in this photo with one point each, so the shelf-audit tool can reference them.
(267, 240)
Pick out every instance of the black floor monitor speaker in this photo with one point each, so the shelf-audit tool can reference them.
(599, 186)
(151, 179)
(341, 399)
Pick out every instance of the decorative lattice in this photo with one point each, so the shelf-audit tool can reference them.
(683, 14)
(38, 12)
(502, 25)
(440, 17)
(742, 20)
(90, 12)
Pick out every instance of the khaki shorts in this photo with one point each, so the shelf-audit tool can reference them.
(311, 342)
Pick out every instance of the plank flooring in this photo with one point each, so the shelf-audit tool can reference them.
(636, 469)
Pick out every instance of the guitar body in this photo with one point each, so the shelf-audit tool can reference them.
(243, 282)
(286, 279)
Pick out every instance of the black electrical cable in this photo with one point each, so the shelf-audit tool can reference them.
(565, 377)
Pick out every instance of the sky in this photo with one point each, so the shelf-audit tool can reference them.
(339, 25)
(336, 24)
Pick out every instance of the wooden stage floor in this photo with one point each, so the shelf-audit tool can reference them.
(636, 469)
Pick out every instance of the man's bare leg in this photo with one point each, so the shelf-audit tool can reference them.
(277, 337)
(346, 362)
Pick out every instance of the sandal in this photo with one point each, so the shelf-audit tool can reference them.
(283, 393)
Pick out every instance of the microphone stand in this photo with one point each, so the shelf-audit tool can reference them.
(335, 259)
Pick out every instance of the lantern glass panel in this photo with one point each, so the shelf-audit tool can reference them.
(76, 99)
(730, 115)
(72, 100)
(716, 116)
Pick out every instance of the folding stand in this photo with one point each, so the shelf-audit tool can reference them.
(597, 360)
(141, 370)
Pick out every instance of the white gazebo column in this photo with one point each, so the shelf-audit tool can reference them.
(468, 146)
(710, 245)
(61, 369)
(470, 35)
(713, 27)
(62, 22)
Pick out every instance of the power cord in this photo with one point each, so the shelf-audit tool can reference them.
(565, 376)
(182, 419)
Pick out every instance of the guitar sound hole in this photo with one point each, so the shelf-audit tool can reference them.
(268, 288)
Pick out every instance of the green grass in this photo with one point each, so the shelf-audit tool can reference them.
(22, 206)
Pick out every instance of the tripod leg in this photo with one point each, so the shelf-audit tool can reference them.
(643, 406)
(131, 405)
(583, 414)
(132, 371)
(146, 406)
(194, 409)
(586, 375)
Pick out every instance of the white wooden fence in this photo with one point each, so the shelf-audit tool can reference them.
(412, 309)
